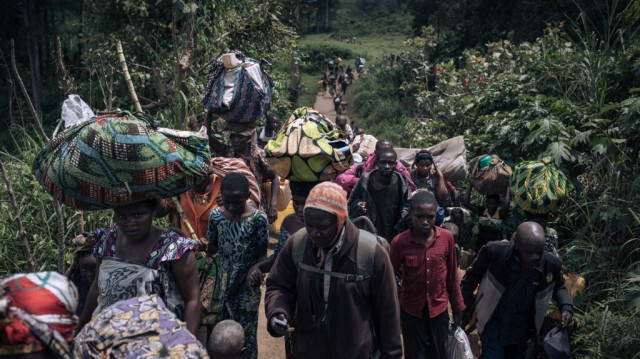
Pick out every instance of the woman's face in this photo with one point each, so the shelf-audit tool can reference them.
(322, 227)
(424, 167)
(239, 142)
(235, 202)
(134, 220)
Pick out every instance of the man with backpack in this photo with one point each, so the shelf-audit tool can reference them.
(340, 284)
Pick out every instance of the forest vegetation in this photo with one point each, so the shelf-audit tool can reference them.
(523, 80)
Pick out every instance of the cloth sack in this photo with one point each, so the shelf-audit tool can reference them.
(538, 187)
(458, 346)
(308, 149)
(284, 194)
(491, 180)
(240, 94)
(556, 344)
(117, 159)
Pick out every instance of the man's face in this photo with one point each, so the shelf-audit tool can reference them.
(274, 122)
(423, 218)
(492, 205)
(529, 252)
(386, 162)
(322, 227)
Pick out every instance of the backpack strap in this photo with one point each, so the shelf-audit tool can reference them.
(299, 244)
(365, 255)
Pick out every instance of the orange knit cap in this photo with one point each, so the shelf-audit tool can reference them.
(329, 197)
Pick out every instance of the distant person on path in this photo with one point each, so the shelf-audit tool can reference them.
(424, 257)
(239, 234)
(382, 195)
(391, 58)
(349, 179)
(490, 217)
(516, 280)
(354, 318)
(337, 101)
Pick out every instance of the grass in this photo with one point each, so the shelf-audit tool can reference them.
(371, 47)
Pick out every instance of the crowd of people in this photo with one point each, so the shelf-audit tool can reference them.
(330, 287)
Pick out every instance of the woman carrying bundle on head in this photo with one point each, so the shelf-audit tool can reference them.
(239, 233)
(136, 258)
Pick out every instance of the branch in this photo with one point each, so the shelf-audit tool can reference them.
(16, 74)
(127, 78)
(66, 81)
(61, 243)
(18, 219)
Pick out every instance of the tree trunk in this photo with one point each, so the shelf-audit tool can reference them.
(326, 15)
(12, 117)
(34, 59)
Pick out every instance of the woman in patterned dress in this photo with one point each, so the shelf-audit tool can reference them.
(136, 258)
(239, 234)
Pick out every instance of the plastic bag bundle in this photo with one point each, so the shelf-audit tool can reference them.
(492, 179)
(308, 149)
(538, 187)
(239, 94)
(75, 111)
(116, 159)
(458, 346)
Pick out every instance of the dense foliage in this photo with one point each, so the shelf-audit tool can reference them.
(571, 95)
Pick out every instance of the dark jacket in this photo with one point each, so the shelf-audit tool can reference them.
(351, 318)
(490, 271)
(361, 194)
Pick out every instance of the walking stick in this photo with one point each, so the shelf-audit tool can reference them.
(136, 104)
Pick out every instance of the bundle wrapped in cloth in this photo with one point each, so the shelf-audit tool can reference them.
(449, 155)
(116, 159)
(538, 187)
(308, 149)
(237, 89)
(490, 175)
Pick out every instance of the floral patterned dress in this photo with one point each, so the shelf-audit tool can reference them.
(237, 243)
(120, 279)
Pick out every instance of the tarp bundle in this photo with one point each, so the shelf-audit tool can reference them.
(307, 149)
(240, 94)
(116, 159)
(492, 179)
(538, 187)
(449, 155)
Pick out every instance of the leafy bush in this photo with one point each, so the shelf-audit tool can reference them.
(314, 59)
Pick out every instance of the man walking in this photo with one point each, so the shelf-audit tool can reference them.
(517, 280)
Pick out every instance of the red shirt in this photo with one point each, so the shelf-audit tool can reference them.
(429, 273)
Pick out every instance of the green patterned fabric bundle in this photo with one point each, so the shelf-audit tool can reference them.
(116, 159)
(308, 149)
(538, 187)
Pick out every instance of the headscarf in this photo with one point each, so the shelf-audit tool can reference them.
(37, 314)
(134, 328)
(329, 197)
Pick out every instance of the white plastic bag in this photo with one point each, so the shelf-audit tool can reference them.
(75, 111)
(458, 346)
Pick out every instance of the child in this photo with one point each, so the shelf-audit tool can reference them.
(83, 269)
(427, 256)
(226, 340)
(491, 217)
(239, 233)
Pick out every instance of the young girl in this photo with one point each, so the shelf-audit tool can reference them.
(239, 233)
(136, 258)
